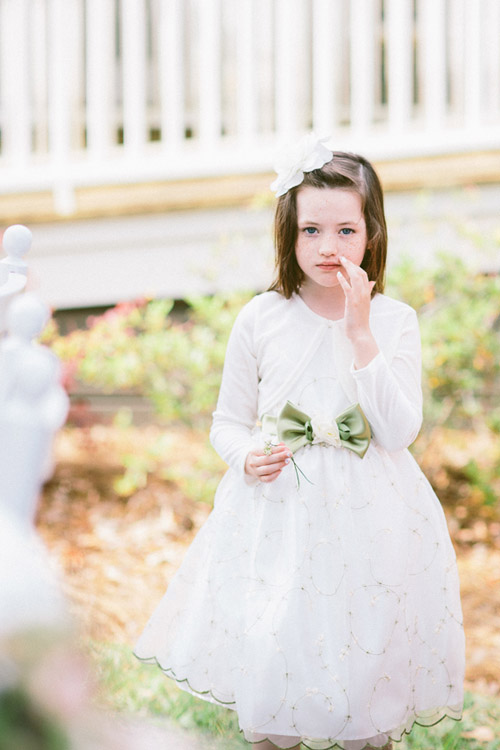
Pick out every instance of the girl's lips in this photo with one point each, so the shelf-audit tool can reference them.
(328, 266)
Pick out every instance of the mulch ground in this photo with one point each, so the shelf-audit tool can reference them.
(117, 554)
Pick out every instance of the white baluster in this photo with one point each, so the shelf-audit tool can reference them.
(100, 76)
(492, 53)
(134, 76)
(16, 243)
(16, 109)
(399, 58)
(210, 122)
(473, 85)
(172, 80)
(39, 52)
(327, 54)
(246, 89)
(362, 64)
(288, 67)
(61, 60)
(433, 26)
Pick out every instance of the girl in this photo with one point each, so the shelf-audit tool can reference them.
(320, 600)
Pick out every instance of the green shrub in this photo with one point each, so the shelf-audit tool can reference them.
(177, 365)
(138, 347)
(459, 321)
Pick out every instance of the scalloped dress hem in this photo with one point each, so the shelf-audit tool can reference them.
(435, 716)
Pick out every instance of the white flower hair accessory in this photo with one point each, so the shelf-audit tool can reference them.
(308, 154)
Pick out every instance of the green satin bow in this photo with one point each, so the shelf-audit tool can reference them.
(293, 427)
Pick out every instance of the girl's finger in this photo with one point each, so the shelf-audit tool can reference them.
(343, 282)
(270, 467)
(266, 471)
(264, 464)
(353, 271)
(271, 477)
(273, 457)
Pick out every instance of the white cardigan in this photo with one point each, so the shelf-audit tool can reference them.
(272, 342)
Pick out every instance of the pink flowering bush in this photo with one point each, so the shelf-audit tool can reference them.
(140, 347)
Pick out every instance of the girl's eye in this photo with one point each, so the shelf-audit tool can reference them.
(346, 231)
(310, 230)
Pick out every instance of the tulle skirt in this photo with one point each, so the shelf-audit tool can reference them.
(327, 614)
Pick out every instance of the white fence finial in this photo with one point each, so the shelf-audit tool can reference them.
(16, 243)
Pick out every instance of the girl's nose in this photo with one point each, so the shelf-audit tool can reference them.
(329, 247)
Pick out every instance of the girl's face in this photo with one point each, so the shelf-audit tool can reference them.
(330, 225)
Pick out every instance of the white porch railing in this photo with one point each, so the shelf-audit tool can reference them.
(108, 91)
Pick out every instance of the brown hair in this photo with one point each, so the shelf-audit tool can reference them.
(350, 172)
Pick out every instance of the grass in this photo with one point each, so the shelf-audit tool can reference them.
(128, 686)
(138, 689)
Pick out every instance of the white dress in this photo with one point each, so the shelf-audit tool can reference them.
(328, 612)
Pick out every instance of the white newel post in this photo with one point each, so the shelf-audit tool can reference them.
(32, 407)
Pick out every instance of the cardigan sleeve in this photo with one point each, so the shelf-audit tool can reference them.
(390, 394)
(236, 413)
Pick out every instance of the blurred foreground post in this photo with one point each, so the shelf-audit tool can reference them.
(32, 407)
(45, 682)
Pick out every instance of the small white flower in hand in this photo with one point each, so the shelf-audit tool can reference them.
(325, 431)
(269, 442)
(308, 154)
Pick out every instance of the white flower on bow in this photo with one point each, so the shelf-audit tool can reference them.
(308, 154)
(325, 431)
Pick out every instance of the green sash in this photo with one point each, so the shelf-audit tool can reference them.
(293, 427)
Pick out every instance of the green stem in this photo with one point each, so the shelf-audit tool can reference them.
(297, 470)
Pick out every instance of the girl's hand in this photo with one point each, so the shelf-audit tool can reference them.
(358, 291)
(267, 467)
